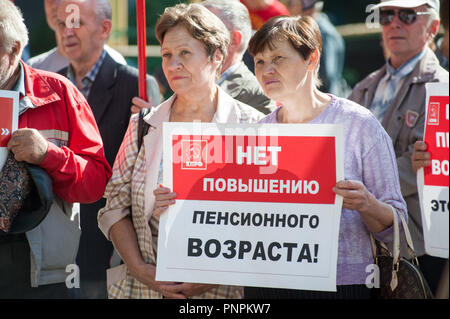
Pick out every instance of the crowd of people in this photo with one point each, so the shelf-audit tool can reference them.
(78, 122)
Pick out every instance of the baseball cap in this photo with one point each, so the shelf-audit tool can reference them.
(408, 4)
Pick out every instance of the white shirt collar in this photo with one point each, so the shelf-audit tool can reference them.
(226, 112)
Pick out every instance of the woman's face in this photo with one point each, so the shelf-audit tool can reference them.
(282, 71)
(185, 62)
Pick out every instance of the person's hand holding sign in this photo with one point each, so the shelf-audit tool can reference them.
(376, 215)
(163, 199)
(420, 157)
(28, 145)
(355, 194)
(145, 273)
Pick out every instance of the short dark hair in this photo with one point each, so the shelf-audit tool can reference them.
(302, 32)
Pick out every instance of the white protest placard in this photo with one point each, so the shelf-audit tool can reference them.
(9, 120)
(254, 205)
(433, 181)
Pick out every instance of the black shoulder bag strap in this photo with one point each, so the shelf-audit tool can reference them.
(142, 126)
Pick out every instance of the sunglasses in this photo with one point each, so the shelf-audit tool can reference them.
(407, 16)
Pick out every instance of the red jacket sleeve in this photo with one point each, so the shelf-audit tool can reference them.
(79, 171)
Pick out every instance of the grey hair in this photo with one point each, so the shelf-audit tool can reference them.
(12, 27)
(102, 8)
(434, 15)
(103, 11)
(235, 16)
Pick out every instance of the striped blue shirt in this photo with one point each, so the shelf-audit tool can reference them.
(89, 78)
(389, 85)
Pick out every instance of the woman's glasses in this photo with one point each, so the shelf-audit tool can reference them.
(407, 16)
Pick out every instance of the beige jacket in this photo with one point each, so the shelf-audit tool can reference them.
(131, 186)
(404, 122)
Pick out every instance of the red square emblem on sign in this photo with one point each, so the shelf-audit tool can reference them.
(433, 114)
(194, 154)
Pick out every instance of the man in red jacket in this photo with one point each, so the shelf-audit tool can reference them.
(57, 131)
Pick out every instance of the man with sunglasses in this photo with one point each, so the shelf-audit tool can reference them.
(396, 95)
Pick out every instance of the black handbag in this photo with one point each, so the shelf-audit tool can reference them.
(26, 196)
(399, 277)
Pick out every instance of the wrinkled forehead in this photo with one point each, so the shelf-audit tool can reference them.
(75, 8)
(177, 36)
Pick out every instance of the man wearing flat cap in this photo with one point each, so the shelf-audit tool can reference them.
(396, 95)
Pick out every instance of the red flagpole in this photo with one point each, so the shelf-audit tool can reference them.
(142, 48)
